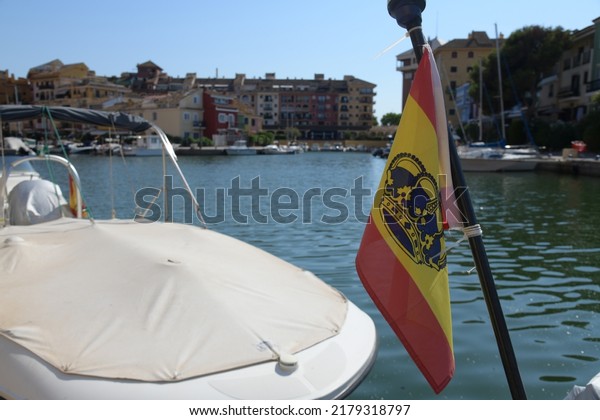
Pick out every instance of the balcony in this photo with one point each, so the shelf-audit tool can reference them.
(568, 92)
(593, 86)
(405, 65)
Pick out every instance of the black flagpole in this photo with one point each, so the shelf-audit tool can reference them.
(408, 15)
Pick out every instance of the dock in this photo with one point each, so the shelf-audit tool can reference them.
(588, 166)
(200, 151)
(574, 166)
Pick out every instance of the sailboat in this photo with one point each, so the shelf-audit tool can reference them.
(150, 309)
(495, 156)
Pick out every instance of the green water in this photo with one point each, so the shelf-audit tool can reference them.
(540, 231)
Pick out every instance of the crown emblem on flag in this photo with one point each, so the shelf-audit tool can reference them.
(410, 206)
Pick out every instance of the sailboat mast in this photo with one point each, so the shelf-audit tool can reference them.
(480, 113)
(500, 83)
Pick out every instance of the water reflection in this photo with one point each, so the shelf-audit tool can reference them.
(540, 232)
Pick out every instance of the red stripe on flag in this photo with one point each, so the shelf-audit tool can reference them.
(406, 310)
(424, 94)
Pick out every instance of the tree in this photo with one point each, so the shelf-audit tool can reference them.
(589, 126)
(531, 54)
(528, 55)
(391, 118)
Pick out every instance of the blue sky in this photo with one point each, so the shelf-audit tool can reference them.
(294, 39)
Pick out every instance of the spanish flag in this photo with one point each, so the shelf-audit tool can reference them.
(401, 260)
(73, 199)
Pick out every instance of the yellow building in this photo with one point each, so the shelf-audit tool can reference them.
(456, 60)
(13, 90)
(360, 102)
(178, 114)
(578, 80)
(55, 83)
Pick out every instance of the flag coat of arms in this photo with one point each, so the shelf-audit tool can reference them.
(401, 260)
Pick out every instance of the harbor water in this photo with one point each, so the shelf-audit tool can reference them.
(541, 232)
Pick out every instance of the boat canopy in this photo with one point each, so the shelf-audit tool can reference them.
(86, 116)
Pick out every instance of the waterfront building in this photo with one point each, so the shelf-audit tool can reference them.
(150, 78)
(179, 114)
(55, 83)
(226, 119)
(318, 108)
(14, 90)
(567, 93)
(406, 63)
(456, 60)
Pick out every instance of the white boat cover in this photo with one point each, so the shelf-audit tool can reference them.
(589, 392)
(35, 201)
(153, 301)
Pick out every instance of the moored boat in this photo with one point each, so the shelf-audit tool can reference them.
(148, 145)
(491, 159)
(274, 149)
(240, 147)
(180, 312)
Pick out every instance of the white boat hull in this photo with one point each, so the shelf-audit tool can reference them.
(240, 152)
(240, 148)
(491, 159)
(496, 165)
(279, 152)
(329, 370)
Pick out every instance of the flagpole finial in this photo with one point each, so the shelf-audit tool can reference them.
(406, 12)
(408, 15)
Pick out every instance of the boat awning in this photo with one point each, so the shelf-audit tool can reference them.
(86, 116)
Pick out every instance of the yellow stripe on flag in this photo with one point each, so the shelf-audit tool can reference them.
(414, 153)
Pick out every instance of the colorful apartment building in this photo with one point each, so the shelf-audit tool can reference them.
(318, 108)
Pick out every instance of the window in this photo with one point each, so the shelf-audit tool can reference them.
(454, 54)
(453, 69)
(471, 54)
(575, 79)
